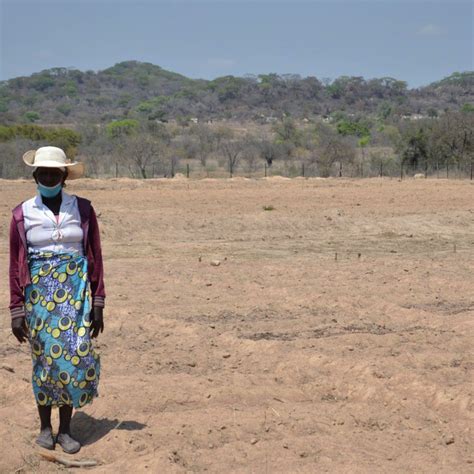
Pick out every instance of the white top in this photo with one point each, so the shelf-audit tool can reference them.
(44, 233)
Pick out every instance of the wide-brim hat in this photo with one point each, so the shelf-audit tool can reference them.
(54, 157)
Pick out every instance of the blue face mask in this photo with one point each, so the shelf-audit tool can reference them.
(49, 191)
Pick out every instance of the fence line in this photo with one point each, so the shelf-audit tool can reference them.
(291, 169)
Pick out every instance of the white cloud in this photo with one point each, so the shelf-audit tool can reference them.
(429, 30)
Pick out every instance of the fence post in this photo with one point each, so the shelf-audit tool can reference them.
(381, 169)
(302, 171)
(187, 170)
(116, 170)
(265, 170)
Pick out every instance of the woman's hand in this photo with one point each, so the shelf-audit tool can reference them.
(97, 319)
(19, 329)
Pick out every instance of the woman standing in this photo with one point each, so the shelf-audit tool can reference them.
(56, 274)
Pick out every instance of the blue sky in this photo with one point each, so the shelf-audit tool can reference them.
(416, 41)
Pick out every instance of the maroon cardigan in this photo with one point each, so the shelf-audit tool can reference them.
(20, 274)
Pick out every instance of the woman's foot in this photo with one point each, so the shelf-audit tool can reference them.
(45, 438)
(68, 444)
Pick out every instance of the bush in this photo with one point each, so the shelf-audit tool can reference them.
(31, 116)
(64, 109)
(122, 127)
(63, 138)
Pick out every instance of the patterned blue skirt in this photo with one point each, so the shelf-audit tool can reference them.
(66, 368)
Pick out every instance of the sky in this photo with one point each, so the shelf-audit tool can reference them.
(412, 40)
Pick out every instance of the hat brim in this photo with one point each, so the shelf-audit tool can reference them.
(74, 170)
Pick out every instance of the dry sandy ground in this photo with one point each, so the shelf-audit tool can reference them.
(282, 359)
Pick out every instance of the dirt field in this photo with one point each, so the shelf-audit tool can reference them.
(336, 334)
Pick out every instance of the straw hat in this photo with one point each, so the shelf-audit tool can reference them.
(53, 157)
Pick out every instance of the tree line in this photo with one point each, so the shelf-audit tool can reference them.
(344, 145)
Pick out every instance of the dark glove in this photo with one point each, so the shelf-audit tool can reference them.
(19, 329)
(97, 324)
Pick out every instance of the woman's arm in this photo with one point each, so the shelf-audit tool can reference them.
(96, 277)
(17, 298)
(97, 273)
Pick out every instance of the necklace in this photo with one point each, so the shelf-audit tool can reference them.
(57, 235)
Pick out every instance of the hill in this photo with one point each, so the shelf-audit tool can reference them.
(133, 89)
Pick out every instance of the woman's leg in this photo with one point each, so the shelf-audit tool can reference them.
(45, 438)
(65, 414)
(69, 444)
(45, 416)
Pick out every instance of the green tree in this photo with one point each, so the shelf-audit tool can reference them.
(335, 90)
(31, 116)
(42, 82)
(467, 108)
(121, 128)
(352, 127)
(64, 109)
(3, 105)
(384, 110)
(416, 149)
(145, 107)
(70, 89)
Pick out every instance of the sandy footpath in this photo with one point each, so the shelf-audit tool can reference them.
(335, 335)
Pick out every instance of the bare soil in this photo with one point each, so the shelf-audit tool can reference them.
(335, 334)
